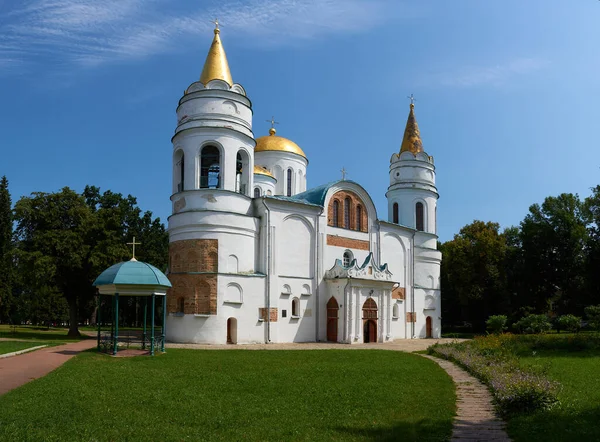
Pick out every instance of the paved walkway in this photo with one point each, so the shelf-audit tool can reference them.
(18, 370)
(475, 418)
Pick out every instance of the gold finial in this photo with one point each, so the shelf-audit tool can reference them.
(134, 244)
(216, 66)
(272, 131)
(412, 136)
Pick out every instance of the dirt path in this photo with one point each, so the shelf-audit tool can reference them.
(18, 370)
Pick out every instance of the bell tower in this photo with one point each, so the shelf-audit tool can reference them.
(412, 195)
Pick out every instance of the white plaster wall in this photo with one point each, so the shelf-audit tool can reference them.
(303, 328)
(278, 163)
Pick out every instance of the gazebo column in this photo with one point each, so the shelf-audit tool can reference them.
(152, 329)
(99, 318)
(116, 337)
(164, 324)
(145, 322)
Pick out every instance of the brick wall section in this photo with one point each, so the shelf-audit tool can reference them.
(199, 292)
(411, 317)
(349, 243)
(398, 293)
(262, 314)
(355, 201)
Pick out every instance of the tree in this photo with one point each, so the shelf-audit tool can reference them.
(6, 252)
(592, 275)
(65, 240)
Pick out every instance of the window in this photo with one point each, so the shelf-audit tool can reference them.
(283, 313)
(180, 305)
(181, 173)
(256, 192)
(347, 258)
(419, 216)
(289, 182)
(241, 172)
(210, 168)
(336, 211)
(395, 311)
(347, 203)
(359, 218)
(395, 213)
(269, 193)
(295, 308)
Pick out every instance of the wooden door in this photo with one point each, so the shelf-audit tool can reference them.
(332, 320)
(428, 327)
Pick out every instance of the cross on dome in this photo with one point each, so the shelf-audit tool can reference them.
(273, 122)
(134, 244)
(216, 23)
(412, 99)
(344, 172)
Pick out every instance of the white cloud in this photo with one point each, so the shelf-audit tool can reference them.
(92, 32)
(497, 75)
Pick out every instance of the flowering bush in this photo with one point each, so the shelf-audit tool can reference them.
(515, 388)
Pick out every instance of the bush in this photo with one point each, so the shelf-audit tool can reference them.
(570, 323)
(496, 324)
(592, 313)
(534, 324)
(516, 389)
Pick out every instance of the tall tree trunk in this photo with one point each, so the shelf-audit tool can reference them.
(73, 317)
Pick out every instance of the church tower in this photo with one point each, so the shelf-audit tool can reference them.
(212, 234)
(412, 195)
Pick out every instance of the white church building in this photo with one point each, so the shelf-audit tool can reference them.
(255, 256)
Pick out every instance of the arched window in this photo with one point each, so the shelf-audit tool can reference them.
(210, 168)
(180, 305)
(256, 192)
(347, 258)
(395, 213)
(241, 173)
(419, 216)
(359, 218)
(289, 182)
(180, 187)
(347, 203)
(336, 212)
(395, 311)
(269, 193)
(295, 308)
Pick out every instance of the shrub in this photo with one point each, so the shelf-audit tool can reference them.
(592, 313)
(570, 323)
(534, 324)
(496, 324)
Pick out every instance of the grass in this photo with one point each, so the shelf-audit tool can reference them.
(235, 395)
(10, 346)
(37, 333)
(578, 416)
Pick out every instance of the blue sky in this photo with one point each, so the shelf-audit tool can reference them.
(506, 92)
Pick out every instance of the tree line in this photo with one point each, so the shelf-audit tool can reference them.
(54, 245)
(548, 265)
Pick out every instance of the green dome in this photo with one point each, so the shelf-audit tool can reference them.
(132, 273)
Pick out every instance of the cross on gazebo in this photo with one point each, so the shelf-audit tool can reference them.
(134, 244)
(344, 172)
(412, 99)
(216, 23)
(273, 122)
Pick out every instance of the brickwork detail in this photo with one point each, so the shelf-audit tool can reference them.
(262, 314)
(196, 293)
(411, 317)
(355, 201)
(398, 293)
(349, 243)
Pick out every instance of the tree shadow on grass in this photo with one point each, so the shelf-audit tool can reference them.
(422, 430)
(557, 425)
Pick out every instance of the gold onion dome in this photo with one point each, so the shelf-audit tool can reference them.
(273, 142)
(412, 137)
(259, 170)
(216, 66)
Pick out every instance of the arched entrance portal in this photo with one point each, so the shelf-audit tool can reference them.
(370, 321)
(232, 331)
(428, 328)
(332, 320)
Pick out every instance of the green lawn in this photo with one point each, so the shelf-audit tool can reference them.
(578, 416)
(36, 333)
(235, 395)
(10, 346)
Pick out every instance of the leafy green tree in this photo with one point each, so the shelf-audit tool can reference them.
(570, 323)
(6, 252)
(534, 324)
(592, 313)
(496, 323)
(592, 275)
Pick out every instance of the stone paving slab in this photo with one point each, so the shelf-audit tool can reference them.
(475, 417)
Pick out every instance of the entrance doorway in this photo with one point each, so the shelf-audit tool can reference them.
(370, 321)
(332, 320)
(428, 328)
(232, 331)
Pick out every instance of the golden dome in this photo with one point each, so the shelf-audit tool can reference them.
(259, 170)
(216, 66)
(412, 137)
(279, 144)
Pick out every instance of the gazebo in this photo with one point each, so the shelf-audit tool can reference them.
(133, 278)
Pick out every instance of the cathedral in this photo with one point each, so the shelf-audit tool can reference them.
(256, 256)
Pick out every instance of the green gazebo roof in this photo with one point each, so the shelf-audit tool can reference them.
(132, 273)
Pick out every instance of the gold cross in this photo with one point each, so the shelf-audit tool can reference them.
(412, 99)
(216, 23)
(273, 122)
(344, 172)
(134, 244)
